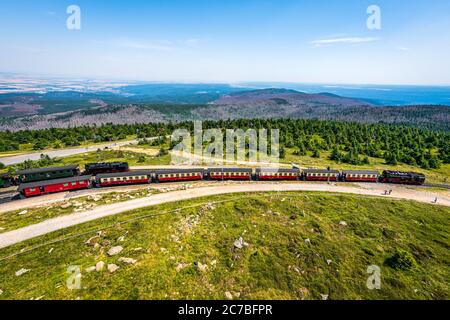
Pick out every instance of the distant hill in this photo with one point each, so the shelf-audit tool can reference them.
(286, 96)
(261, 103)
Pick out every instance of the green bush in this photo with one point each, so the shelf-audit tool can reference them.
(401, 260)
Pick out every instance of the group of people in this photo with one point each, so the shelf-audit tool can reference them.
(388, 193)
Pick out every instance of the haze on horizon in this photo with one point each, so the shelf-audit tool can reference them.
(230, 41)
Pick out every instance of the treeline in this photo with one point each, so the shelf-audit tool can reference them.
(352, 143)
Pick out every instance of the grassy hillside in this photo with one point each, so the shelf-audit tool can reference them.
(186, 250)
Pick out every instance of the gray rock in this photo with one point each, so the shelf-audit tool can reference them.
(181, 266)
(66, 205)
(112, 267)
(93, 240)
(90, 269)
(228, 295)
(240, 243)
(99, 266)
(127, 260)
(200, 266)
(114, 250)
(21, 272)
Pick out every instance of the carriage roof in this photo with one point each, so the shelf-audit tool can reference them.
(274, 170)
(320, 171)
(220, 169)
(169, 171)
(51, 182)
(124, 174)
(50, 169)
(360, 172)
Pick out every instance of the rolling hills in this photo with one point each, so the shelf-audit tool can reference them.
(261, 103)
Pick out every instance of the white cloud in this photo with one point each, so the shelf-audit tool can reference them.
(191, 42)
(156, 45)
(400, 48)
(346, 40)
(163, 45)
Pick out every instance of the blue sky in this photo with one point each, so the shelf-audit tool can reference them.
(230, 41)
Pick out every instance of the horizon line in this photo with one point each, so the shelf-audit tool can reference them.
(179, 81)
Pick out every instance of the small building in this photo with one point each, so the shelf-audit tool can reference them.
(30, 175)
(51, 186)
(277, 174)
(229, 173)
(320, 175)
(122, 178)
(360, 176)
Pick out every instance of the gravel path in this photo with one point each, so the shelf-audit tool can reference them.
(22, 234)
(62, 153)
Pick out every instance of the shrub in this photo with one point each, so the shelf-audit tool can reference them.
(401, 260)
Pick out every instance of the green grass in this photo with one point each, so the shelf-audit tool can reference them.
(277, 264)
(438, 176)
(28, 147)
(12, 220)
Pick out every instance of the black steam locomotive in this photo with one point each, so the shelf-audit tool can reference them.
(105, 167)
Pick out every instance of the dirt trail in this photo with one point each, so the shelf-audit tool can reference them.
(10, 160)
(22, 234)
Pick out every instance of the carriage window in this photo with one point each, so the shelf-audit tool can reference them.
(32, 189)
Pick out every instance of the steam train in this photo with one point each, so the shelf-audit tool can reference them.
(34, 182)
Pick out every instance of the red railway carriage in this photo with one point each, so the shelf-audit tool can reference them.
(320, 175)
(168, 175)
(360, 176)
(122, 178)
(229, 173)
(51, 186)
(277, 174)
